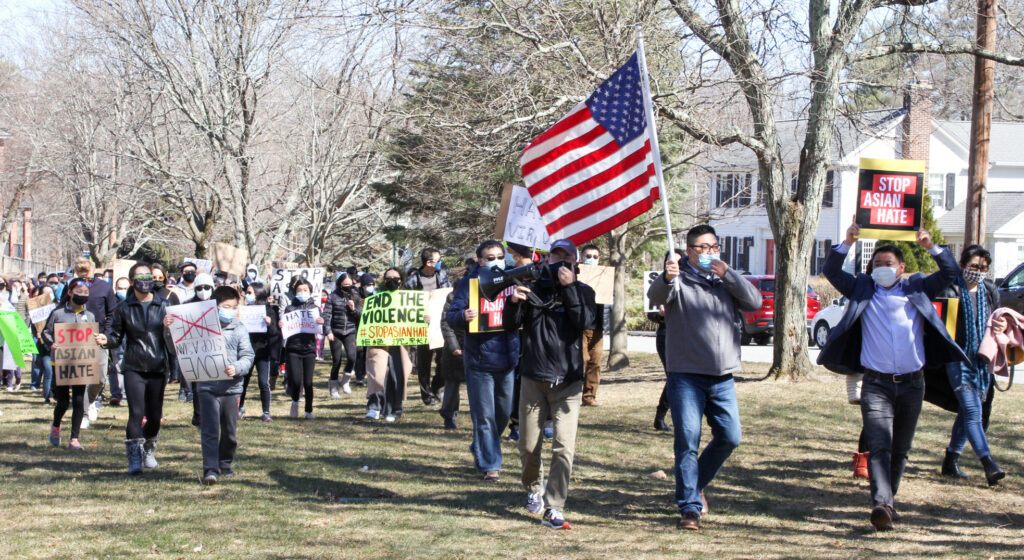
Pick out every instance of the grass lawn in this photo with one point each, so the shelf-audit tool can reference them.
(340, 486)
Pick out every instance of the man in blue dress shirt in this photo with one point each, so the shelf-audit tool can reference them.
(889, 332)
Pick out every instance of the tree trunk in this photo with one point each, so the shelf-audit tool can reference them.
(618, 356)
(792, 267)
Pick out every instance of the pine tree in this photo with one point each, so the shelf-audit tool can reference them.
(915, 256)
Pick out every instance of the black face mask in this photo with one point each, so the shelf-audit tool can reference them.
(78, 299)
(159, 285)
(143, 286)
(189, 276)
(390, 284)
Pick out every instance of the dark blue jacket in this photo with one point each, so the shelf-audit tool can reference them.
(491, 352)
(842, 352)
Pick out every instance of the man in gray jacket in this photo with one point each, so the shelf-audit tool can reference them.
(701, 295)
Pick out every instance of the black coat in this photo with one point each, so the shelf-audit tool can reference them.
(149, 345)
(102, 302)
(338, 318)
(452, 366)
(301, 343)
(265, 345)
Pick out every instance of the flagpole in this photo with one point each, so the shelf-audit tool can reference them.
(655, 150)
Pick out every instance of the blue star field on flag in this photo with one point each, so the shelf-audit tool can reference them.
(617, 104)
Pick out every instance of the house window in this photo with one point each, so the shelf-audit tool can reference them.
(818, 255)
(793, 182)
(950, 190)
(736, 251)
(867, 247)
(735, 190)
(937, 190)
(827, 195)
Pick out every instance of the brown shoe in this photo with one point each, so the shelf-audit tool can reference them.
(881, 518)
(860, 465)
(690, 522)
(492, 476)
(703, 504)
(590, 402)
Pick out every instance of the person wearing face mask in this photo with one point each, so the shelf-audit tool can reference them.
(43, 359)
(367, 287)
(516, 255)
(387, 368)
(341, 317)
(430, 276)
(160, 281)
(966, 387)
(593, 337)
(219, 408)
(701, 295)
(185, 289)
(301, 349)
(267, 347)
(139, 323)
(202, 291)
(114, 376)
(102, 302)
(252, 276)
(73, 310)
(490, 360)
(890, 332)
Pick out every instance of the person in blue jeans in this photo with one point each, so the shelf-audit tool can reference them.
(701, 296)
(490, 359)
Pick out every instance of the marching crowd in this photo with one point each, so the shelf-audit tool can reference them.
(533, 375)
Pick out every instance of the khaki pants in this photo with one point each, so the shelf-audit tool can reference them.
(377, 370)
(593, 349)
(536, 401)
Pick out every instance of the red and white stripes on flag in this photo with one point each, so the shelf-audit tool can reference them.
(594, 170)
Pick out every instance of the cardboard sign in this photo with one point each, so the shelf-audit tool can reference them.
(489, 318)
(121, 268)
(281, 277)
(889, 197)
(948, 310)
(396, 318)
(198, 341)
(602, 279)
(76, 356)
(252, 317)
(229, 259)
(17, 336)
(435, 309)
(519, 220)
(203, 265)
(301, 321)
(39, 309)
(649, 277)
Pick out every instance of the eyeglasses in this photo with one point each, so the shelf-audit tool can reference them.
(978, 267)
(393, 278)
(204, 289)
(494, 258)
(705, 248)
(144, 277)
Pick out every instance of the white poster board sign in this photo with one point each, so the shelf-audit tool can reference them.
(252, 317)
(301, 321)
(203, 265)
(524, 224)
(435, 309)
(281, 277)
(198, 341)
(649, 277)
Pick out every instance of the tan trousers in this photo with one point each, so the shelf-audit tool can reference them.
(593, 350)
(536, 400)
(377, 370)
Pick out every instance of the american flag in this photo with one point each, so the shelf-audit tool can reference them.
(594, 169)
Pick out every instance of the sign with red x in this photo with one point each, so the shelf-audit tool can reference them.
(198, 341)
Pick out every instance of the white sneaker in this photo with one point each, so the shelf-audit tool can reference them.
(535, 502)
(309, 416)
(93, 412)
(85, 423)
(345, 386)
(390, 418)
(334, 390)
(295, 410)
(373, 414)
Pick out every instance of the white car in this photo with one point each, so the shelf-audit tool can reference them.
(826, 320)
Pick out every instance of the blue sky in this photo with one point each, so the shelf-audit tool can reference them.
(18, 19)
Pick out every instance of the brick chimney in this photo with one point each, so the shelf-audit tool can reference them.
(917, 124)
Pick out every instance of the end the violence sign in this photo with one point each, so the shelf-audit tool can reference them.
(889, 197)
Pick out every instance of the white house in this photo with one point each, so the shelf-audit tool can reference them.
(738, 214)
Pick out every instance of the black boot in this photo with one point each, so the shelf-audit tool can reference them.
(951, 466)
(659, 419)
(992, 472)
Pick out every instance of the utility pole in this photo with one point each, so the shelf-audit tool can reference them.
(981, 126)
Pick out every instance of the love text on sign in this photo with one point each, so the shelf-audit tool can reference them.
(198, 341)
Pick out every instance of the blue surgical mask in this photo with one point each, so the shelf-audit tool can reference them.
(303, 297)
(590, 261)
(250, 299)
(704, 260)
(226, 315)
(122, 294)
(370, 289)
(509, 261)
(496, 263)
(252, 274)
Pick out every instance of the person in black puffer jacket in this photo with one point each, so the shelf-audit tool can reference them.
(341, 317)
(301, 349)
(452, 366)
(266, 345)
(139, 322)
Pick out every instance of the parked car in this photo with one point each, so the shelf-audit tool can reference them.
(826, 320)
(758, 325)
(1011, 289)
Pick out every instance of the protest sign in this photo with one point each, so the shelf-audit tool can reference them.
(435, 309)
(281, 277)
(76, 356)
(203, 265)
(396, 318)
(39, 309)
(649, 277)
(229, 259)
(948, 310)
(602, 279)
(889, 197)
(519, 220)
(252, 317)
(489, 318)
(198, 341)
(121, 268)
(17, 336)
(301, 321)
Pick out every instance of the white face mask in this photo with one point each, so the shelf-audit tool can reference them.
(204, 294)
(884, 276)
(499, 263)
